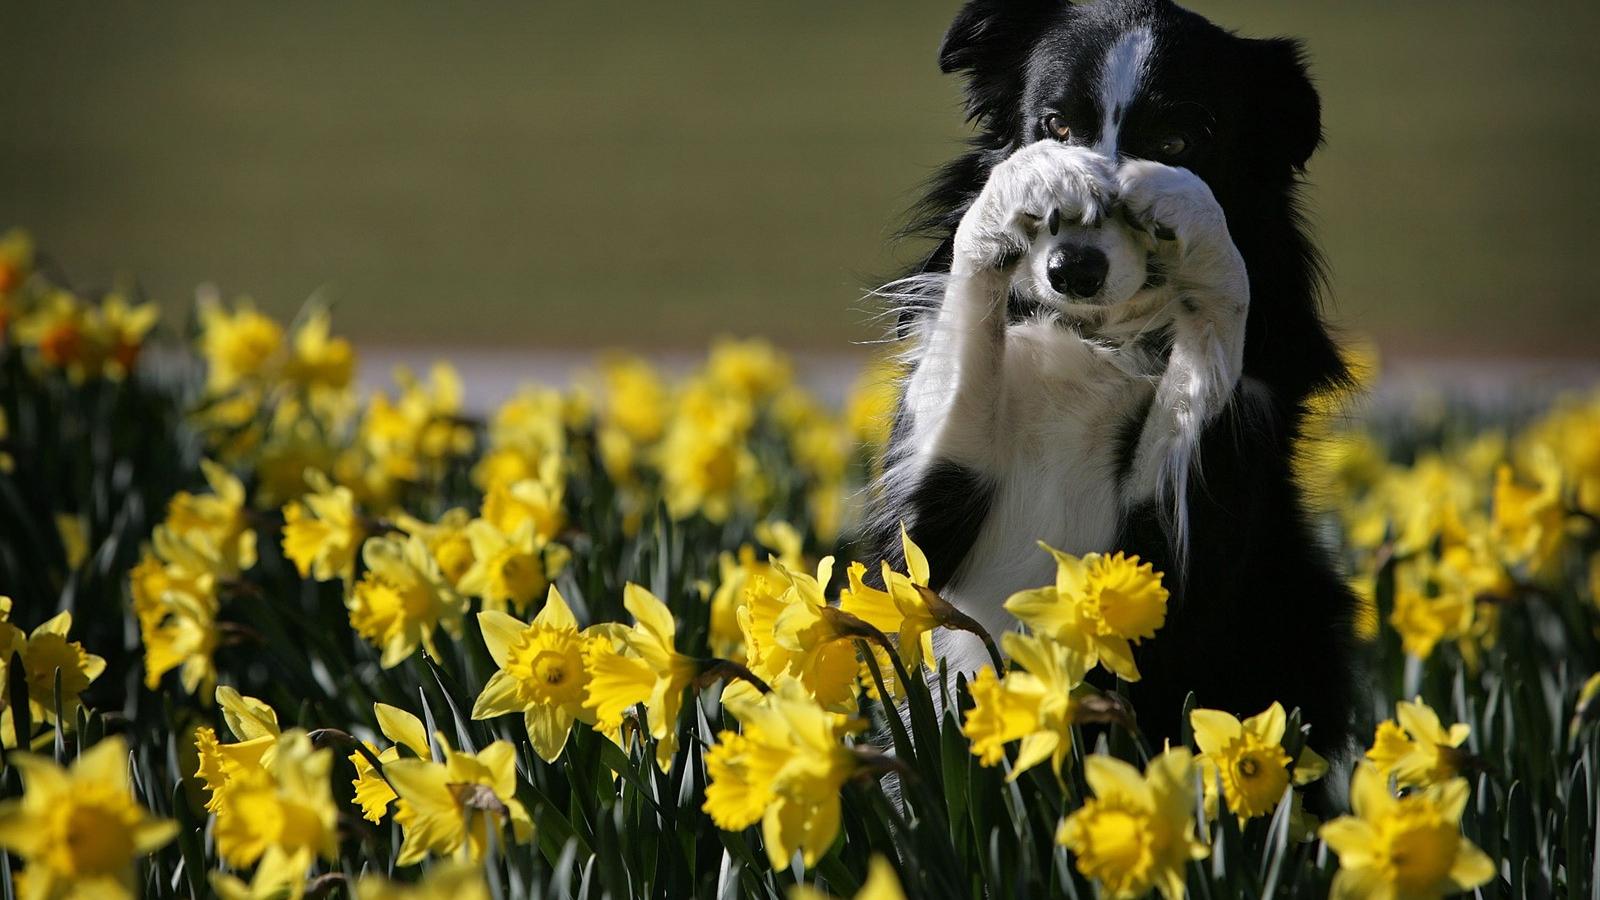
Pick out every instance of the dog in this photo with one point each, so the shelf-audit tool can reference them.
(1113, 347)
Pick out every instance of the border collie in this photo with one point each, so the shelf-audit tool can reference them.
(1114, 342)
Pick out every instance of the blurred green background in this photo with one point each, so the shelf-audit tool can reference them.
(649, 174)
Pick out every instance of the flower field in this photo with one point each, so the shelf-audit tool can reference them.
(265, 636)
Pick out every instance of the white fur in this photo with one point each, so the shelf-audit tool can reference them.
(1121, 75)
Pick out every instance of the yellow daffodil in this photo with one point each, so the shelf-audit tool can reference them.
(445, 881)
(448, 808)
(317, 360)
(284, 803)
(1032, 704)
(1137, 833)
(1099, 605)
(45, 652)
(1530, 522)
(645, 668)
(412, 436)
(901, 609)
(1249, 759)
(810, 653)
(174, 598)
(55, 329)
(529, 501)
(322, 531)
(1423, 620)
(16, 262)
(254, 725)
(735, 575)
(1416, 748)
(372, 793)
(1406, 847)
(784, 770)
(237, 346)
(79, 829)
(541, 673)
(753, 368)
(402, 599)
(447, 540)
(217, 518)
(510, 569)
(117, 329)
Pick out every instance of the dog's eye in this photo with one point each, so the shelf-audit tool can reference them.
(1052, 125)
(1173, 146)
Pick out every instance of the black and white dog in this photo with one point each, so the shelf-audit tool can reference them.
(1114, 343)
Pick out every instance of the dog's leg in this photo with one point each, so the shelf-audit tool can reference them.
(1212, 293)
(940, 474)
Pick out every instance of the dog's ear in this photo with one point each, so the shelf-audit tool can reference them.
(989, 42)
(1287, 120)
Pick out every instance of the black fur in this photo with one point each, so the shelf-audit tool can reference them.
(1260, 613)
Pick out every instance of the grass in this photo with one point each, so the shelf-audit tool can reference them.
(686, 171)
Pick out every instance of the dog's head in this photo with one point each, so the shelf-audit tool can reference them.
(1143, 79)
(1148, 79)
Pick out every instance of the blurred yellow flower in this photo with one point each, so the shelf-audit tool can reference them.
(317, 360)
(116, 333)
(509, 569)
(1416, 748)
(238, 345)
(79, 829)
(449, 808)
(402, 599)
(785, 770)
(16, 261)
(284, 803)
(278, 876)
(869, 407)
(45, 652)
(1422, 620)
(174, 598)
(445, 881)
(1033, 704)
(1137, 833)
(218, 519)
(56, 328)
(541, 673)
(752, 367)
(644, 669)
(1410, 847)
(1530, 522)
(446, 539)
(1249, 759)
(322, 531)
(1099, 605)
(535, 501)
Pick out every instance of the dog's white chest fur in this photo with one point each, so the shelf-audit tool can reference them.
(1065, 401)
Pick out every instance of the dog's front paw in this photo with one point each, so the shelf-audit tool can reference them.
(1177, 208)
(1171, 204)
(1039, 186)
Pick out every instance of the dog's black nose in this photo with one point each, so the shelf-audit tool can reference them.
(1077, 270)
